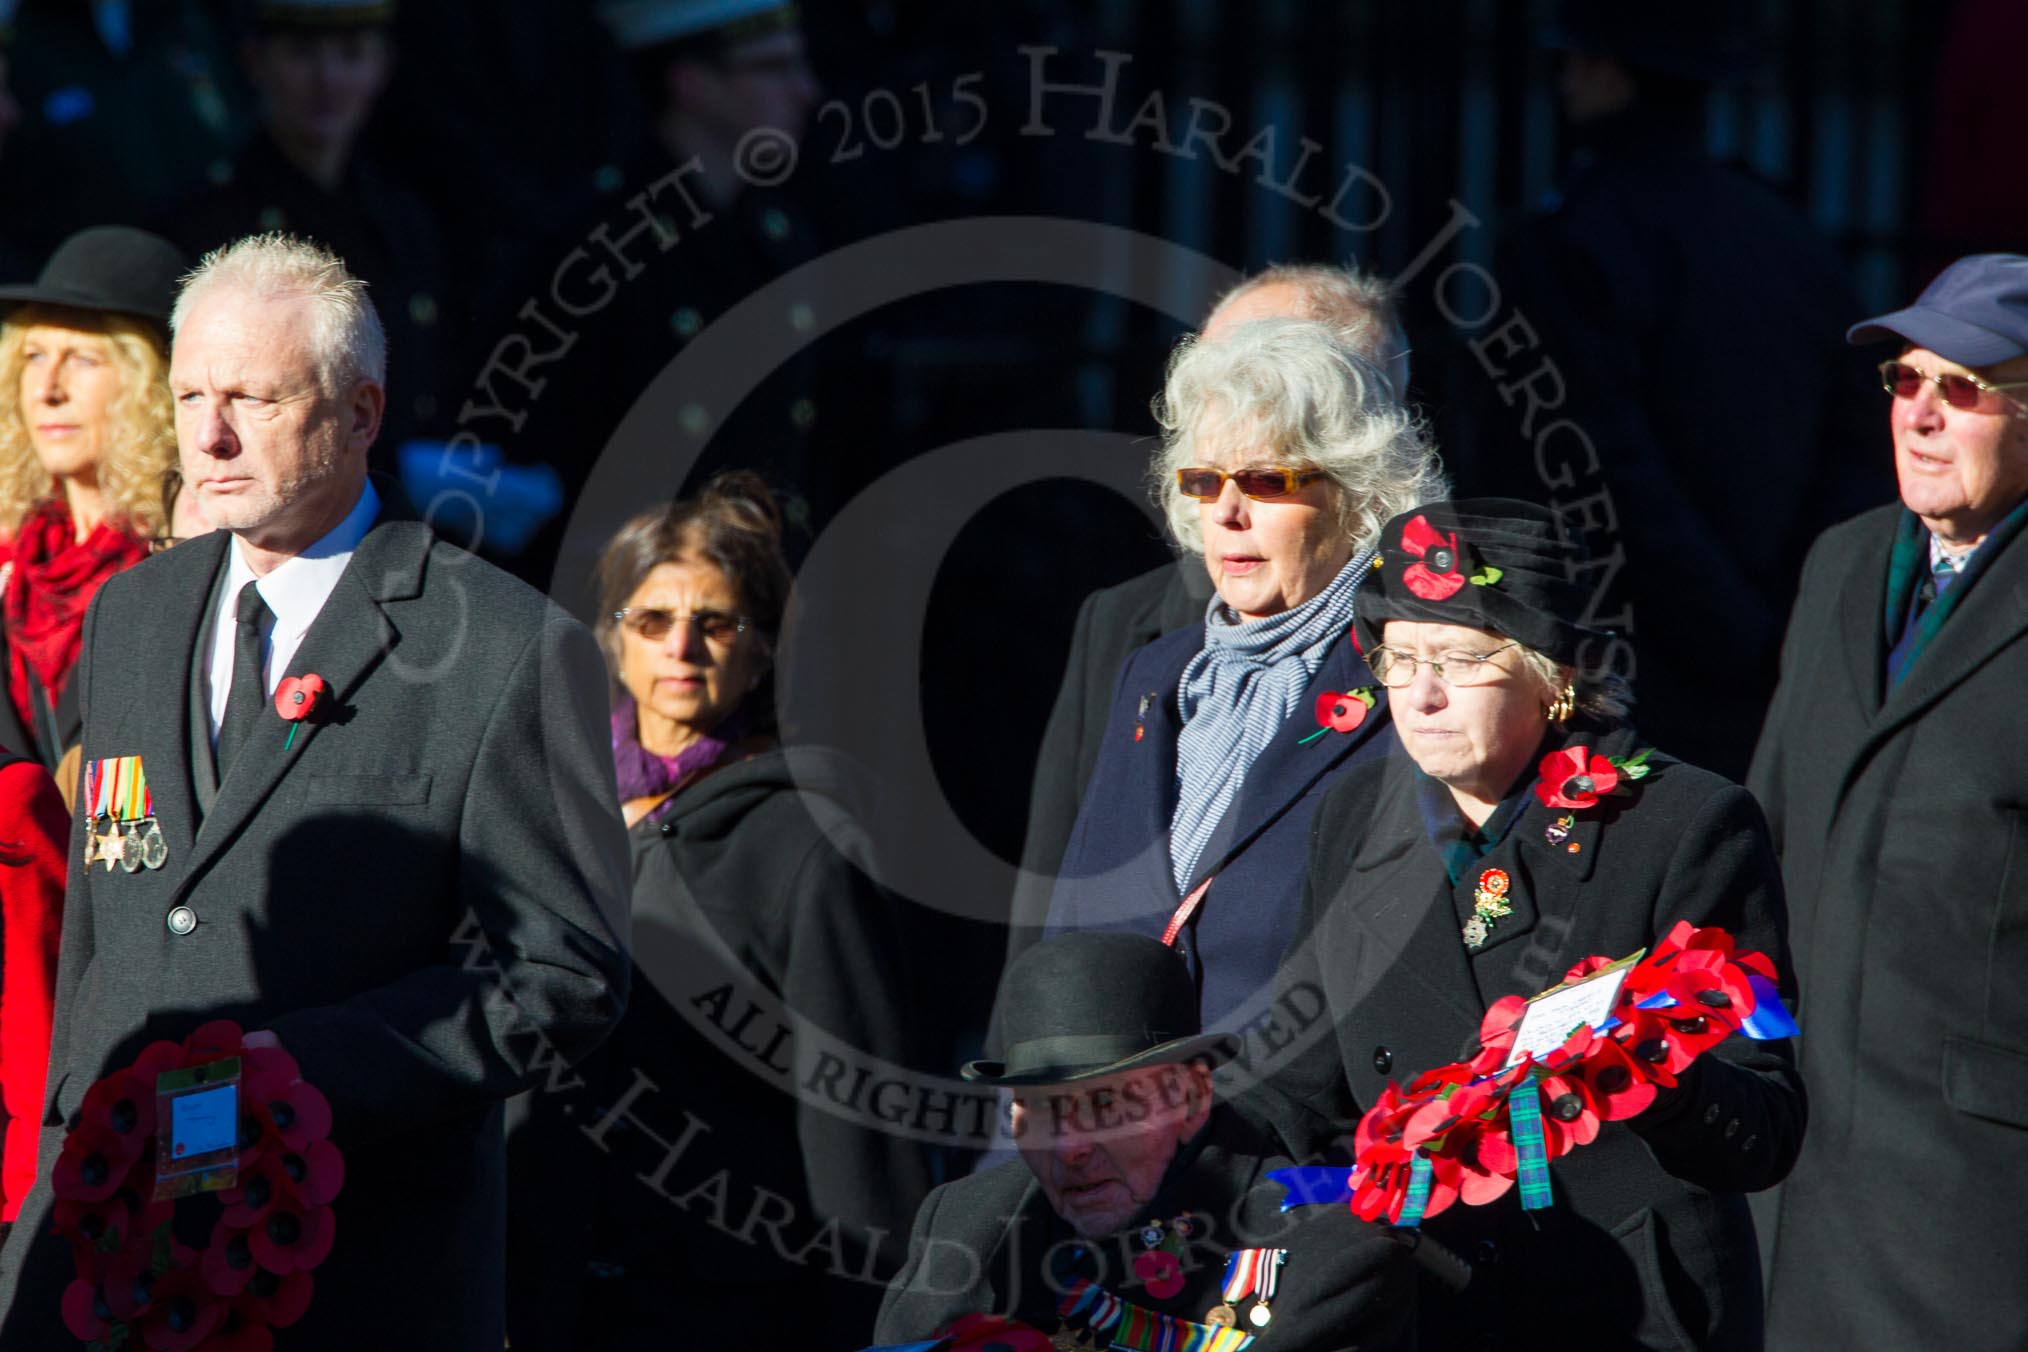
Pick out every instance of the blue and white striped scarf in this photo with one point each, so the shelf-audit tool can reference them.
(1235, 695)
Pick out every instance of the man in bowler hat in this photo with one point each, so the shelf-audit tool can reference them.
(1141, 1206)
(1894, 769)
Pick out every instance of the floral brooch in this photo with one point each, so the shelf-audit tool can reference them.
(1439, 573)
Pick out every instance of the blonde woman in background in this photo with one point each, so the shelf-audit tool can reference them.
(86, 434)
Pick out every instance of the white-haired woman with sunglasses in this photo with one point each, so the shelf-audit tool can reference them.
(761, 942)
(1284, 451)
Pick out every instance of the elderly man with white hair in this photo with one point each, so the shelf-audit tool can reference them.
(310, 862)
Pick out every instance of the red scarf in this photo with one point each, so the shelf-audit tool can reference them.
(50, 584)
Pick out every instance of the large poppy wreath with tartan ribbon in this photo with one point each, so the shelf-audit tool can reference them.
(1465, 1132)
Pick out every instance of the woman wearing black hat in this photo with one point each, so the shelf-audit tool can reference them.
(86, 435)
(1527, 828)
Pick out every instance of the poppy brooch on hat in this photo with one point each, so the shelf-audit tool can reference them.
(1439, 572)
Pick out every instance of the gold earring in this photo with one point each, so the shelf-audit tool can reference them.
(1565, 704)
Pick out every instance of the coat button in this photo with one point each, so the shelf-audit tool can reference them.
(1732, 1129)
(1487, 1253)
(181, 921)
(668, 828)
(1383, 1060)
(1711, 1115)
(1750, 1142)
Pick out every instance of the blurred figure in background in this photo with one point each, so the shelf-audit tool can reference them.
(319, 68)
(125, 106)
(13, 265)
(86, 433)
(698, 235)
(753, 890)
(1114, 622)
(1656, 279)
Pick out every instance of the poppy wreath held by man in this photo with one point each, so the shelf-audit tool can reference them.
(1677, 1003)
(149, 1272)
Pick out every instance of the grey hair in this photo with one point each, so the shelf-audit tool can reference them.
(346, 338)
(1293, 387)
(1603, 699)
(1363, 308)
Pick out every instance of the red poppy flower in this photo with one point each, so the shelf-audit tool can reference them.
(112, 1220)
(182, 1312)
(296, 696)
(213, 1041)
(1569, 1117)
(1616, 1085)
(1343, 711)
(229, 1263)
(275, 1299)
(93, 1164)
(1160, 1271)
(237, 1333)
(293, 1238)
(1439, 575)
(1574, 777)
(85, 1312)
(1497, 1028)
(301, 1114)
(994, 1333)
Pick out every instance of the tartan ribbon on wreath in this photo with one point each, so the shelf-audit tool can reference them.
(1457, 1133)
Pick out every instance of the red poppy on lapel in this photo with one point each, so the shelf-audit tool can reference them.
(1574, 777)
(296, 696)
(1438, 576)
(1341, 711)
(994, 1333)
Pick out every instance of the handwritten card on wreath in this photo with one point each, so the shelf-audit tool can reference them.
(1554, 1015)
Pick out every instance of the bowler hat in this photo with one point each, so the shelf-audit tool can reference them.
(1497, 564)
(1975, 313)
(1083, 1006)
(112, 268)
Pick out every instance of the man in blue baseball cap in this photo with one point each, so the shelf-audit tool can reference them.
(1894, 769)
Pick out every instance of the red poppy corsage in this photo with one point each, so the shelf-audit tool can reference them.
(994, 1333)
(1341, 711)
(137, 1284)
(296, 700)
(1455, 1126)
(1439, 573)
(1577, 778)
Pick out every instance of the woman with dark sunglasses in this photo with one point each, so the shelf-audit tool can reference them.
(761, 944)
(1284, 451)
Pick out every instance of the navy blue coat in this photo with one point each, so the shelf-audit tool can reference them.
(1116, 874)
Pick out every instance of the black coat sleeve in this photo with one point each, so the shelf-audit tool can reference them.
(1735, 1122)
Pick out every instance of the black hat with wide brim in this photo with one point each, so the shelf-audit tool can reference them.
(1498, 564)
(108, 269)
(1085, 1006)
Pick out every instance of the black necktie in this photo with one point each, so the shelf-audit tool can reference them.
(249, 691)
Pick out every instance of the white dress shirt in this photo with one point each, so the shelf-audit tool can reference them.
(295, 591)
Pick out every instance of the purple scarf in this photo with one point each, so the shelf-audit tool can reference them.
(643, 774)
